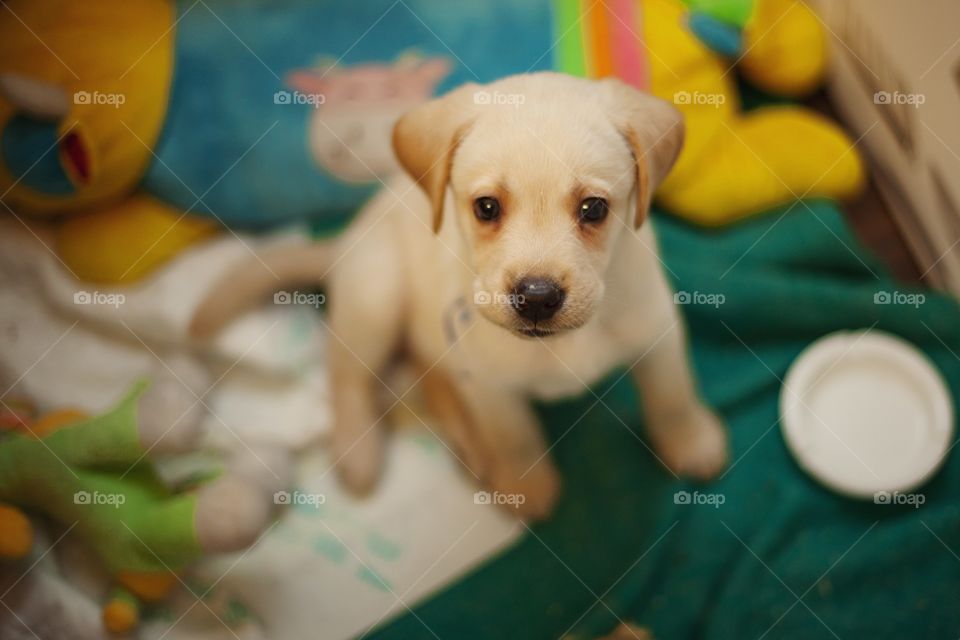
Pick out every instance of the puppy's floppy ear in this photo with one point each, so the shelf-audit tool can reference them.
(426, 138)
(653, 129)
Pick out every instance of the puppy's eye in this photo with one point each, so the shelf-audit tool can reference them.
(593, 210)
(486, 209)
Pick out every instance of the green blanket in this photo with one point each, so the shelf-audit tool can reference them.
(781, 557)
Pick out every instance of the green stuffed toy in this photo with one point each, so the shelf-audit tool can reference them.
(93, 476)
(719, 23)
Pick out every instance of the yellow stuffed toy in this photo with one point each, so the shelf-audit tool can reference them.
(736, 163)
(148, 126)
(87, 86)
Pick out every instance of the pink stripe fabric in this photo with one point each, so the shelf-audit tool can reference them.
(629, 52)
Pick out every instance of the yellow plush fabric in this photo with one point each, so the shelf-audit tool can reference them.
(785, 48)
(121, 614)
(736, 164)
(108, 46)
(16, 534)
(149, 586)
(123, 242)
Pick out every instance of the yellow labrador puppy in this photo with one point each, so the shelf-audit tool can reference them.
(516, 261)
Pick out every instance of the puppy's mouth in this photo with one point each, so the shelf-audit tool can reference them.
(545, 330)
(535, 332)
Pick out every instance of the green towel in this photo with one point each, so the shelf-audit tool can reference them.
(782, 557)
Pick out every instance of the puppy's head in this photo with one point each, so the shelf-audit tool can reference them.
(541, 173)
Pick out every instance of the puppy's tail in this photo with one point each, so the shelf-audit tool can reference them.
(246, 285)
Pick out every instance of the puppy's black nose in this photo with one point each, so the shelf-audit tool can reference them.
(537, 299)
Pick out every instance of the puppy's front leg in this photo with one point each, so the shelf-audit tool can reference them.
(509, 434)
(365, 325)
(688, 437)
(357, 438)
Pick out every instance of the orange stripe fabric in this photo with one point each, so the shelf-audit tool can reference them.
(600, 59)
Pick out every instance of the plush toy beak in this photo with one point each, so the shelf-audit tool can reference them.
(36, 149)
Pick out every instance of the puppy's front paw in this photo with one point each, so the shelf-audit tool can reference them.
(359, 461)
(693, 445)
(531, 493)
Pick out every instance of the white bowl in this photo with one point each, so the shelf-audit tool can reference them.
(865, 412)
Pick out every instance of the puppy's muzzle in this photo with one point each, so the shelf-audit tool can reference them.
(537, 299)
